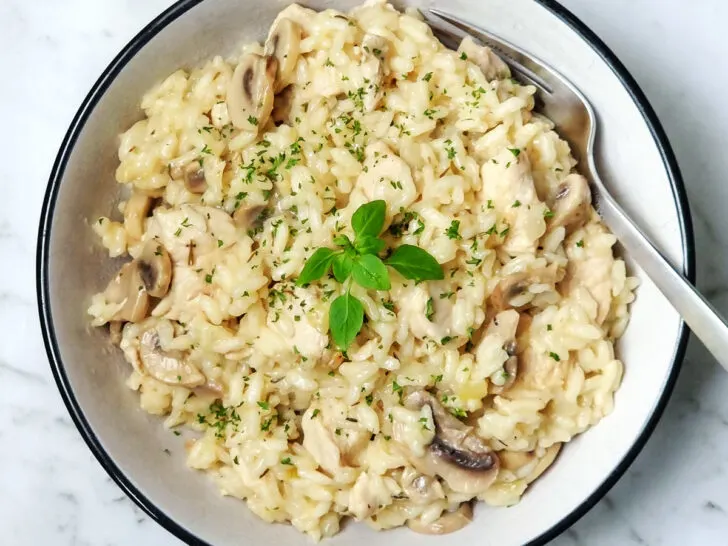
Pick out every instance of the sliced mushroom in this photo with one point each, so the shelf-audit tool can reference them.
(250, 93)
(282, 106)
(155, 269)
(284, 44)
(247, 216)
(419, 488)
(456, 454)
(195, 178)
(448, 522)
(115, 331)
(211, 388)
(169, 367)
(489, 63)
(128, 288)
(572, 203)
(135, 212)
(515, 285)
(516, 461)
(505, 324)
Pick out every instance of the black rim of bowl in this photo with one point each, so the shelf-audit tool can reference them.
(46, 220)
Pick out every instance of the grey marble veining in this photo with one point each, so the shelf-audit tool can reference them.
(54, 492)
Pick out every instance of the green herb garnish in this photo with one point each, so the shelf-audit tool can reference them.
(359, 261)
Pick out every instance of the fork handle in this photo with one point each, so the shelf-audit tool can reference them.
(700, 316)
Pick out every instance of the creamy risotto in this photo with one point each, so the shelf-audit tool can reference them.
(364, 272)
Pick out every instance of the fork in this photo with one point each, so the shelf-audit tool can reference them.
(575, 119)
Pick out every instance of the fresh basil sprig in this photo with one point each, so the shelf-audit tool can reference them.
(359, 260)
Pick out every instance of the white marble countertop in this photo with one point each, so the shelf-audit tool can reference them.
(52, 491)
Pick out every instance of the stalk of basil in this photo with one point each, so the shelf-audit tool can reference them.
(370, 272)
(346, 317)
(316, 267)
(414, 263)
(369, 219)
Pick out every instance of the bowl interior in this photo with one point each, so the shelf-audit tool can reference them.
(132, 443)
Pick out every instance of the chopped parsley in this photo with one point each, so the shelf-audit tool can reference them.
(453, 232)
(429, 310)
(556, 357)
(450, 149)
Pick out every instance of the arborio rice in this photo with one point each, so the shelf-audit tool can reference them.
(454, 390)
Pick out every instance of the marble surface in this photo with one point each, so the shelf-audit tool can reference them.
(52, 491)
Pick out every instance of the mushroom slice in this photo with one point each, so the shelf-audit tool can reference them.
(135, 212)
(282, 106)
(420, 488)
(115, 327)
(511, 290)
(250, 92)
(168, 367)
(194, 176)
(572, 203)
(247, 216)
(128, 288)
(518, 461)
(505, 325)
(284, 44)
(456, 454)
(448, 522)
(155, 269)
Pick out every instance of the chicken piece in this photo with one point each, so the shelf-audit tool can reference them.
(436, 310)
(415, 306)
(590, 266)
(571, 205)
(190, 231)
(296, 315)
(539, 372)
(490, 64)
(319, 442)
(508, 184)
(368, 495)
(385, 176)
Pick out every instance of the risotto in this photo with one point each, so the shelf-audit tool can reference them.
(364, 272)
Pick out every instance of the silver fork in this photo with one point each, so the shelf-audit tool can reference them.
(575, 120)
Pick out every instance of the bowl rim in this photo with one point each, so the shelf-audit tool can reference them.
(57, 173)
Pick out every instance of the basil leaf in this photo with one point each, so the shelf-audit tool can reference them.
(370, 272)
(346, 317)
(369, 219)
(414, 263)
(342, 267)
(316, 267)
(369, 245)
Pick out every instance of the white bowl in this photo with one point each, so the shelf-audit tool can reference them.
(634, 158)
